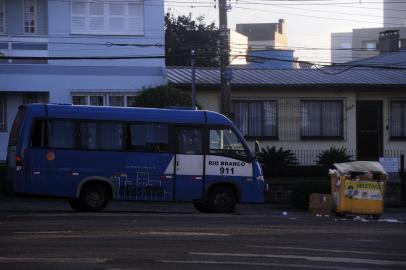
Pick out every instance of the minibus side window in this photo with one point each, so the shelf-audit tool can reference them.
(101, 136)
(149, 138)
(224, 141)
(38, 134)
(190, 141)
(61, 134)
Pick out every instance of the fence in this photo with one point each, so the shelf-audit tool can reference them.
(308, 157)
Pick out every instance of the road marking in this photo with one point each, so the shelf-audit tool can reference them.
(308, 258)
(260, 264)
(51, 260)
(182, 234)
(367, 240)
(331, 250)
(44, 232)
(96, 234)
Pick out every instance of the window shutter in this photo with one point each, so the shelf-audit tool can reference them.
(78, 24)
(78, 8)
(135, 17)
(78, 21)
(96, 24)
(107, 17)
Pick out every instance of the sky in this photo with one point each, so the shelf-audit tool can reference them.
(309, 23)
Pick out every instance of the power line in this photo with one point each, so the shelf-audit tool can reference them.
(235, 46)
(324, 11)
(316, 17)
(280, 4)
(131, 57)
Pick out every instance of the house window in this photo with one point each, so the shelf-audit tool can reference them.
(114, 17)
(256, 118)
(104, 99)
(30, 98)
(96, 100)
(131, 101)
(79, 100)
(2, 113)
(2, 16)
(30, 21)
(398, 119)
(369, 45)
(345, 45)
(117, 101)
(321, 119)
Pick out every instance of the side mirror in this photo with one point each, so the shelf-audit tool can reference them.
(256, 147)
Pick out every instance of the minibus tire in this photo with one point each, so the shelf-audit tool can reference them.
(202, 207)
(94, 197)
(222, 199)
(75, 204)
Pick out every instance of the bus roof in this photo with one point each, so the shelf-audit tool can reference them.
(126, 114)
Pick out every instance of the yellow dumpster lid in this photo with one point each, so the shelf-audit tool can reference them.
(360, 166)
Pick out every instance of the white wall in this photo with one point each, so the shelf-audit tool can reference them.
(289, 117)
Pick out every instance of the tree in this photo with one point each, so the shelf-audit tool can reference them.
(163, 96)
(183, 34)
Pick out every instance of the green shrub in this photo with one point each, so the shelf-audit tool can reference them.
(275, 161)
(333, 155)
(164, 96)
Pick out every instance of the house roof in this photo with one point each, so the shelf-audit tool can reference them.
(392, 59)
(292, 77)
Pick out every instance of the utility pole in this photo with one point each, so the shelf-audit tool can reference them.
(225, 106)
(192, 53)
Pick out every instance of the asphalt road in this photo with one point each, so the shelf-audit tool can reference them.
(47, 234)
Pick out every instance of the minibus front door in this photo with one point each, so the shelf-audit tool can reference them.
(189, 161)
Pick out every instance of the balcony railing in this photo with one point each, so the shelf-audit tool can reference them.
(24, 46)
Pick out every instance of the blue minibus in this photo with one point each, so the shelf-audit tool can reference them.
(91, 154)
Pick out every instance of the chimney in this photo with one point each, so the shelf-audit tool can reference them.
(388, 41)
(281, 26)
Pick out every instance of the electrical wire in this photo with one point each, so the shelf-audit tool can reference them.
(203, 55)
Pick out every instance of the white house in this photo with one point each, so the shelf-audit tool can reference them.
(125, 30)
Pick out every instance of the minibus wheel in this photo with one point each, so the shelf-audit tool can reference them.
(222, 199)
(94, 197)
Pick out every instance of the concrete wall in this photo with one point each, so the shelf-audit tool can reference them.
(394, 13)
(286, 57)
(266, 35)
(360, 36)
(341, 44)
(60, 81)
(358, 39)
(238, 48)
(289, 118)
